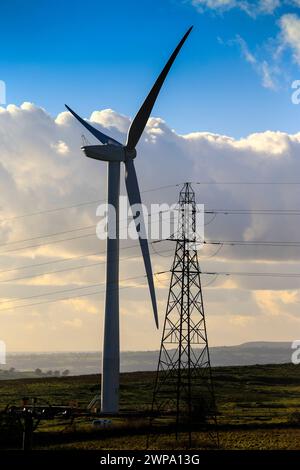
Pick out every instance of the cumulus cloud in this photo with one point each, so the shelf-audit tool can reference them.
(252, 8)
(109, 119)
(42, 168)
(290, 34)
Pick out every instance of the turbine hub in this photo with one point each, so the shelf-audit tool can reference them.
(130, 154)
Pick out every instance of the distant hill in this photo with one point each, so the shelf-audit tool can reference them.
(257, 352)
(83, 363)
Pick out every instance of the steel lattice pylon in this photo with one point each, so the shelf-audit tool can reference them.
(183, 393)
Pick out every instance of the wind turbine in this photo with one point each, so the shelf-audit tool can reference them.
(114, 153)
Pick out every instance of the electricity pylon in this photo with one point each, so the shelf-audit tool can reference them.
(183, 396)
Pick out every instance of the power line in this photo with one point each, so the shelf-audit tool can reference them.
(259, 183)
(47, 243)
(252, 243)
(64, 298)
(63, 260)
(97, 253)
(68, 290)
(208, 242)
(72, 206)
(56, 209)
(219, 243)
(64, 233)
(288, 212)
(212, 242)
(97, 201)
(48, 235)
(251, 274)
(17, 299)
(213, 273)
(87, 227)
(238, 242)
(74, 268)
(93, 234)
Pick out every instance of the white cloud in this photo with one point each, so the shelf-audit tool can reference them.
(290, 34)
(111, 120)
(61, 147)
(215, 4)
(267, 79)
(262, 68)
(42, 167)
(267, 62)
(277, 303)
(252, 8)
(269, 6)
(249, 57)
(74, 323)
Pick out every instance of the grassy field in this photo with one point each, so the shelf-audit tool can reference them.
(258, 408)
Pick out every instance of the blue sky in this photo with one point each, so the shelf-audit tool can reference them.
(98, 54)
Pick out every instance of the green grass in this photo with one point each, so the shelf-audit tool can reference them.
(258, 408)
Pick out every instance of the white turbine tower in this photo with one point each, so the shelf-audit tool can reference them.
(114, 153)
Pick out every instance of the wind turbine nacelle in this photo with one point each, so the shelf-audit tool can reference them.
(106, 153)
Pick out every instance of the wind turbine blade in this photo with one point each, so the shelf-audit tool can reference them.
(105, 139)
(140, 120)
(135, 198)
